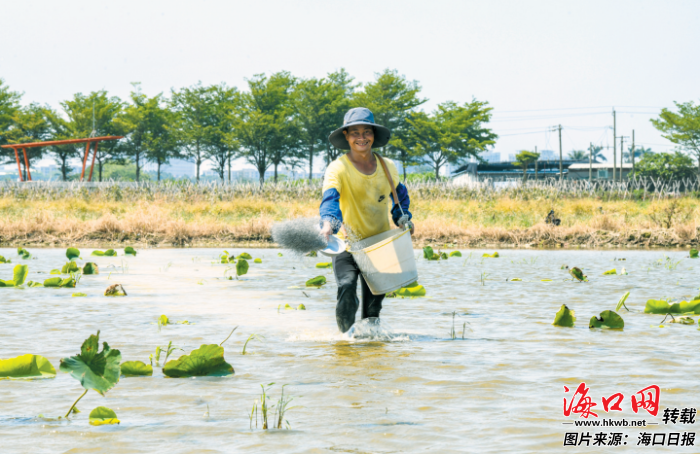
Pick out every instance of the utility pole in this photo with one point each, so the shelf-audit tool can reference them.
(614, 144)
(632, 152)
(622, 154)
(561, 165)
(536, 163)
(590, 163)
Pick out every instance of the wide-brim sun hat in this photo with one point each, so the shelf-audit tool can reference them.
(359, 116)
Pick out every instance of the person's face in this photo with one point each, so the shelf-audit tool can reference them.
(360, 138)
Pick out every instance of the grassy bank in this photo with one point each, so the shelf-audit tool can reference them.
(211, 215)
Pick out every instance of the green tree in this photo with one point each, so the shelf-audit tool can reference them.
(524, 158)
(61, 154)
(452, 133)
(666, 166)
(219, 148)
(597, 153)
(577, 155)
(159, 142)
(29, 124)
(392, 99)
(682, 127)
(9, 105)
(91, 115)
(638, 153)
(319, 106)
(261, 123)
(193, 108)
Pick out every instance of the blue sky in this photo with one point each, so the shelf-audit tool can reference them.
(538, 63)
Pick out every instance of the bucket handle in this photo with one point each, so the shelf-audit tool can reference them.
(391, 181)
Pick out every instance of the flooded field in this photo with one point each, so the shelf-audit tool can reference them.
(497, 387)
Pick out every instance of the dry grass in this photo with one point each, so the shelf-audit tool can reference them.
(211, 216)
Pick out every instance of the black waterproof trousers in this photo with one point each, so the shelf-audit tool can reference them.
(346, 274)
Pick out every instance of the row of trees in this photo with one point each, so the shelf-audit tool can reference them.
(279, 120)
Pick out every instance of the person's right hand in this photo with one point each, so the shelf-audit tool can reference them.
(326, 230)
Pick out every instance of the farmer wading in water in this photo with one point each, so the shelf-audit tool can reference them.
(356, 193)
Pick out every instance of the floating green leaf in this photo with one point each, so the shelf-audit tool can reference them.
(288, 307)
(257, 261)
(455, 254)
(130, 251)
(607, 319)
(317, 281)
(26, 366)
(136, 369)
(609, 272)
(23, 253)
(163, 320)
(207, 360)
(57, 282)
(682, 320)
(411, 291)
(493, 256)
(94, 369)
(564, 317)
(516, 279)
(107, 253)
(324, 265)
(241, 267)
(622, 302)
(72, 253)
(34, 284)
(19, 274)
(577, 274)
(70, 267)
(115, 290)
(429, 254)
(545, 280)
(657, 307)
(245, 255)
(279, 254)
(91, 268)
(55, 271)
(103, 415)
(78, 295)
(4, 260)
(443, 256)
(685, 307)
(301, 307)
(693, 253)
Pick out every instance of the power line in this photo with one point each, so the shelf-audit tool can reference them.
(579, 108)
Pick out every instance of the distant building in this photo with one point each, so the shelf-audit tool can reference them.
(178, 168)
(598, 171)
(548, 155)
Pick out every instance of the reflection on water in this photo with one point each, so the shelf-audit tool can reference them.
(408, 387)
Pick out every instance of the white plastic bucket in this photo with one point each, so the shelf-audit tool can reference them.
(386, 261)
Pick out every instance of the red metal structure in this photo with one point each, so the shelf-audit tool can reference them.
(88, 142)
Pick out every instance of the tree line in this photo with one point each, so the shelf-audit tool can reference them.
(279, 120)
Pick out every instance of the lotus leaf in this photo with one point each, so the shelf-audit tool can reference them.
(70, 267)
(107, 253)
(324, 265)
(207, 360)
(312, 254)
(657, 307)
(257, 261)
(4, 260)
(516, 279)
(72, 253)
(26, 366)
(136, 369)
(288, 307)
(242, 267)
(545, 280)
(693, 253)
(163, 320)
(115, 290)
(94, 369)
(317, 281)
(224, 259)
(279, 254)
(77, 295)
(429, 254)
(564, 317)
(301, 307)
(577, 274)
(609, 272)
(443, 256)
(455, 254)
(411, 291)
(34, 284)
(622, 302)
(19, 274)
(129, 251)
(493, 256)
(683, 320)
(245, 255)
(55, 271)
(91, 268)
(23, 253)
(103, 415)
(607, 319)
(57, 282)
(685, 307)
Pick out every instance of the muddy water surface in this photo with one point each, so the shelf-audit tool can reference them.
(500, 389)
